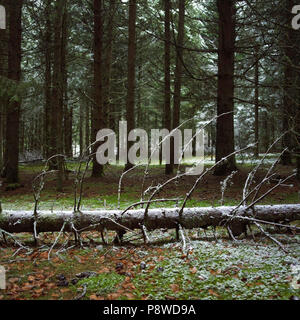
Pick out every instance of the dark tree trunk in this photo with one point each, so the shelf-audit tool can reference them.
(22, 136)
(48, 80)
(131, 72)
(139, 118)
(81, 129)
(1, 137)
(256, 94)
(225, 104)
(266, 138)
(178, 76)
(108, 63)
(288, 110)
(87, 127)
(167, 105)
(3, 74)
(58, 90)
(97, 108)
(67, 110)
(14, 73)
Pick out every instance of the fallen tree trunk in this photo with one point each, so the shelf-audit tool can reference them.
(159, 218)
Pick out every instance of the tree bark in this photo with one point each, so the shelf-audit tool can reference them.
(266, 138)
(160, 218)
(3, 99)
(289, 107)
(256, 112)
(225, 104)
(48, 80)
(97, 108)
(67, 110)
(131, 73)
(58, 91)
(14, 73)
(110, 26)
(178, 78)
(167, 105)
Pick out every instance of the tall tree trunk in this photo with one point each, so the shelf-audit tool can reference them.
(289, 78)
(108, 63)
(22, 136)
(14, 73)
(167, 121)
(266, 140)
(225, 104)
(293, 61)
(87, 126)
(67, 110)
(178, 76)
(97, 108)
(1, 136)
(131, 72)
(139, 111)
(58, 90)
(81, 129)
(3, 98)
(48, 80)
(256, 94)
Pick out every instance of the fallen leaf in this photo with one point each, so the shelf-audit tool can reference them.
(44, 255)
(170, 298)
(193, 270)
(130, 296)
(38, 291)
(31, 278)
(128, 286)
(64, 290)
(104, 270)
(211, 292)
(113, 296)
(27, 286)
(174, 287)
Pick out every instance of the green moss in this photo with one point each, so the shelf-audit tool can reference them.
(102, 284)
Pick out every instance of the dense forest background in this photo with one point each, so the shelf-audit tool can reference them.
(70, 68)
(71, 228)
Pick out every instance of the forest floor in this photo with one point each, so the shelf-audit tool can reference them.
(215, 267)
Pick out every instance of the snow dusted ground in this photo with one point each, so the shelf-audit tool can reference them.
(223, 269)
(270, 159)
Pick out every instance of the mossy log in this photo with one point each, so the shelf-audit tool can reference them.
(159, 218)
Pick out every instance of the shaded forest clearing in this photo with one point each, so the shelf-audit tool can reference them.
(103, 193)
(214, 266)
